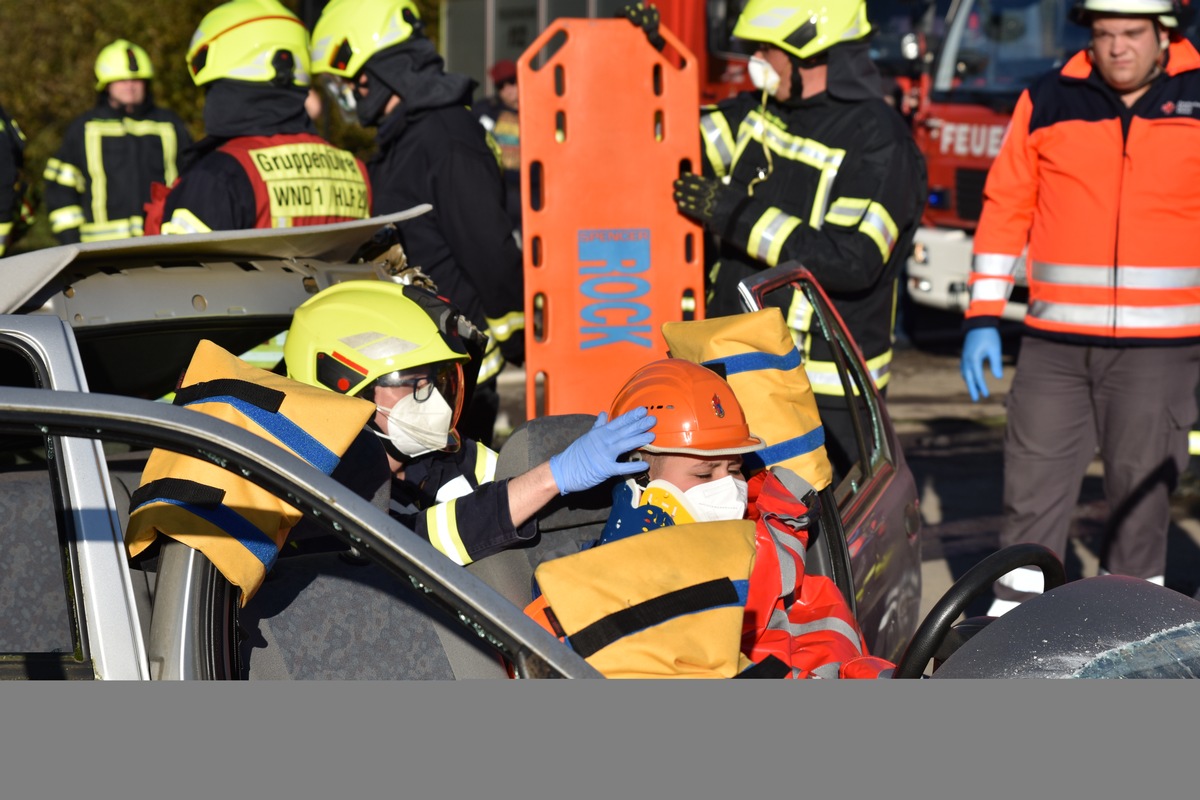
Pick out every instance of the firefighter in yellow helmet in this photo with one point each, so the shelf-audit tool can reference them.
(816, 167)
(261, 165)
(409, 351)
(99, 180)
(430, 149)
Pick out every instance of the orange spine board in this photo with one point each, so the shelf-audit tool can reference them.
(607, 124)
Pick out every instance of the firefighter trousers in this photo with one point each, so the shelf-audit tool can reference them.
(1136, 405)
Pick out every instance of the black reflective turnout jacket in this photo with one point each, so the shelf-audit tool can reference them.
(841, 191)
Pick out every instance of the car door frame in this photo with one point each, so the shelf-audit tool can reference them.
(877, 500)
(530, 649)
(98, 582)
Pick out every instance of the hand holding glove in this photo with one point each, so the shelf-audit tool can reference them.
(592, 458)
(980, 344)
(697, 197)
(645, 17)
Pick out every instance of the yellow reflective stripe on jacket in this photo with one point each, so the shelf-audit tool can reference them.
(184, 221)
(878, 224)
(771, 131)
(718, 140)
(65, 174)
(112, 229)
(824, 377)
(769, 233)
(799, 322)
(1194, 443)
(268, 354)
(94, 133)
(492, 362)
(847, 211)
(485, 463)
(442, 522)
(503, 328)
(868, 218)
(65, 218)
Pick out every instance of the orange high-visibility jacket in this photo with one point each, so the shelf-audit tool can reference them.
(1106, 198)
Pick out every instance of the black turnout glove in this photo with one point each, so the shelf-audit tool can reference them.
(513, 349)
(698, 197)
(645, 17)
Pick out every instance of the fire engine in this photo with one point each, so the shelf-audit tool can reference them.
(955, 69)
(476, 33)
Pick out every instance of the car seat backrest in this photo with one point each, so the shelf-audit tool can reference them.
(564, 525)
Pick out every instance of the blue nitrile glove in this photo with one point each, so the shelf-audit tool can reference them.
(980, 344)
(592, 458)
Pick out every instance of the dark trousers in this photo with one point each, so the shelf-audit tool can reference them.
(1136, 404)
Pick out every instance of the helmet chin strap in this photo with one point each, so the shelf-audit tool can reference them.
(1154, 72)
(388, 447)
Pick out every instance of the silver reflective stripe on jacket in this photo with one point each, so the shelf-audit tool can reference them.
(1118, 316)
(1122, 277)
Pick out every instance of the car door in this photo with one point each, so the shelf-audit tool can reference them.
(67, 609)
(876, 499)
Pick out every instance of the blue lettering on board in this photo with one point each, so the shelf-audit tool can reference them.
(609, 260)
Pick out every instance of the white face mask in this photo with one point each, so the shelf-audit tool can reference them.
(763, 75)
(722, 499)
(418, 428)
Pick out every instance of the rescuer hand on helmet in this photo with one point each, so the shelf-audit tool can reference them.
(695, 409)
(593, 458)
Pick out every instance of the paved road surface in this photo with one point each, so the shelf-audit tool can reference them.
(955, 449)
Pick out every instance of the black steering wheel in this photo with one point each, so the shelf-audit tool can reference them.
(937, 623)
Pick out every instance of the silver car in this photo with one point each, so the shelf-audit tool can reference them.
(93, 336)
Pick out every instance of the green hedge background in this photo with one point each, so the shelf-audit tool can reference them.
(48, 50)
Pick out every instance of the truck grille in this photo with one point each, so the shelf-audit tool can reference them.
(968, 192)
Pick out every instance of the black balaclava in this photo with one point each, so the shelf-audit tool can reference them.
(415, 72)
(852, 74)
(242, 108)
